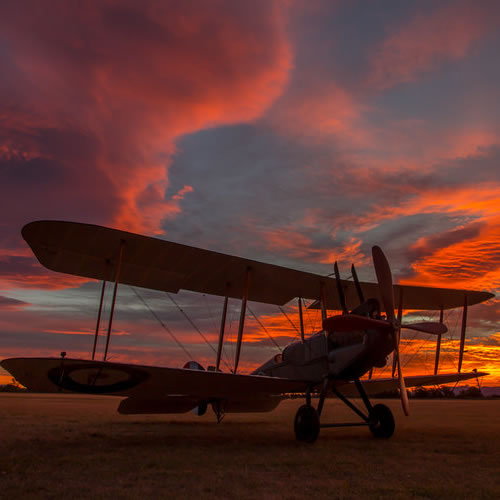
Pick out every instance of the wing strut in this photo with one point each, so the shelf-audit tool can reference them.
(340, 290)
(398, 332)
(117, 279)
(322, 300)
(301, 317)
(221, 333)
(462, 336)
(100, 309)
(438, 343)
(242, 318)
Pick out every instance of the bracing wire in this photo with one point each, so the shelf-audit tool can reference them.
(311, 324)
(166, 328)
(264, 328)
(196, 328)
(415, 353)
(212, 318)
(446, 352)
(290, 321)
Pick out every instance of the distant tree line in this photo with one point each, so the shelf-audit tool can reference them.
(439, 392)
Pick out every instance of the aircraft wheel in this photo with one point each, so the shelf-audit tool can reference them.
(381, 421)
(201, 409)
(306, 424)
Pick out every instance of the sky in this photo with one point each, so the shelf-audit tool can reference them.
(293, 132)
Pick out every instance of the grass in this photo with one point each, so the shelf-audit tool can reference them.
(70, 446)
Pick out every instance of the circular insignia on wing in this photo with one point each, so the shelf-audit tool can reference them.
(91, 379)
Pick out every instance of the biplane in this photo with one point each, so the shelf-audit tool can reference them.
(328, 363)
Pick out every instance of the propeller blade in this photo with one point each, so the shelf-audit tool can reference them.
(402, 387)
(427, 327)
(384, 278)
(353, 323)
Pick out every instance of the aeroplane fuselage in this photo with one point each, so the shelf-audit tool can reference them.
(342, 355)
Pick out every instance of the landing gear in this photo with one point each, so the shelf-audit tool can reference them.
(201, 409)
(378, 418)
(306, 424)
(381, 421)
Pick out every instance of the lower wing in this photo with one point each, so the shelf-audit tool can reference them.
(121, 379)
(380, 385)
(152, 389)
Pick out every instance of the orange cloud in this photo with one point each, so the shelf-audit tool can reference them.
(471, 263)
(481, 353)
(299, 245)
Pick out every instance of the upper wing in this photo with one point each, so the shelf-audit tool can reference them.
(92, 251)
(377, 386)
(120, 379)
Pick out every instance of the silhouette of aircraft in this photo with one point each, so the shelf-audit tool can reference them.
(328, 363)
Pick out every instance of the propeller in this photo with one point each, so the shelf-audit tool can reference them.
(355, 322)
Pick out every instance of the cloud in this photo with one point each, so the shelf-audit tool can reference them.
(20, 271)
(83, 332)
(472, 262)
(94, 97)
(10, 304)
(298, 245)
(429, 39)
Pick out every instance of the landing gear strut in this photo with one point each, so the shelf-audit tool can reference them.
(379, 418)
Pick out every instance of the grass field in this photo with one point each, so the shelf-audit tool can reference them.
(79, 447)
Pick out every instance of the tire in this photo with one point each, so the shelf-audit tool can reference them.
(381, 422)
(201, 409)
(306, 424)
